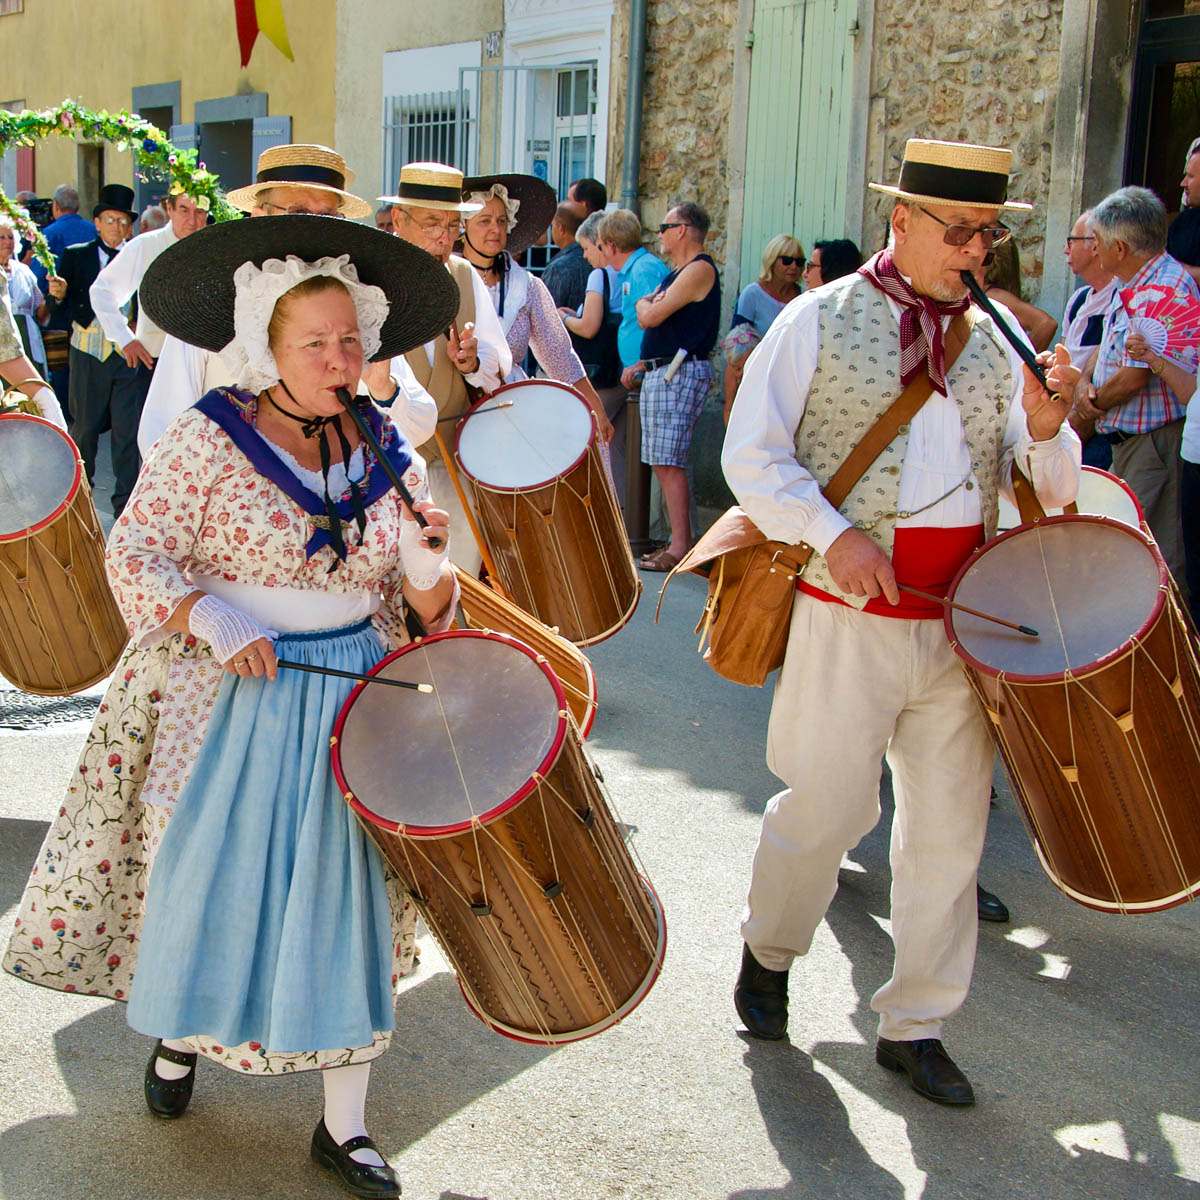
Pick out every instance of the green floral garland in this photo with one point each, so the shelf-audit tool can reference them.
(152, 153)
(27, 231)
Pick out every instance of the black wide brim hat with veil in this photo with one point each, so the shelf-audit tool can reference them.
(188, 291)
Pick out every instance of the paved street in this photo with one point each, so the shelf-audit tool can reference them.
(1080, 1036)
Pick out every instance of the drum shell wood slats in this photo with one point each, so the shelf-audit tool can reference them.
(485, 609)
(571, 965)
(60, 628)
(562, 552)
(481, 796)
(1105, 763)
(557, 536)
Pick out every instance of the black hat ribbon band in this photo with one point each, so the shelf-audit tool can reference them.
(429, 191)
(980, 188)
(301, 173)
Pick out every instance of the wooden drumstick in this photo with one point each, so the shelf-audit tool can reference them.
(401, 683)
(484, 552)
(974, 612)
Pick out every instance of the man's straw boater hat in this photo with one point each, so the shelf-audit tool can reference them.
(304, 166)
(432, 185)
(954, 173)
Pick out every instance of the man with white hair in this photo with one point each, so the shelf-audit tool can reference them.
(1132, 404)
(292, 180)
(428, 211)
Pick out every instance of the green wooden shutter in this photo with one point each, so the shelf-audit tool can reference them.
(798, 128)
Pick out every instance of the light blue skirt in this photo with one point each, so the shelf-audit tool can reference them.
(267, 917)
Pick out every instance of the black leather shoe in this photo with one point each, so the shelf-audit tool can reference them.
(761, 998)
(168, 1098)
(359, 1179)
(991, 907)
(930, 1070)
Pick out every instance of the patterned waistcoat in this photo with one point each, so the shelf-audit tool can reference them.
(858, 378)
(443, 380)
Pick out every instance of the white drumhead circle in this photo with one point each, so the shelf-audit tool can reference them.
(525, 435)
(38, 468)
(1101, 494)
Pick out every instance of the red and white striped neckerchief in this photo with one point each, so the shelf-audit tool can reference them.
(920, 323)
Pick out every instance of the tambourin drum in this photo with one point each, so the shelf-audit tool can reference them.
(1098, 718)
(481, 798)
(1101, 494)
(487, 609)
(547, 509)
(58, 349)
(60, 629)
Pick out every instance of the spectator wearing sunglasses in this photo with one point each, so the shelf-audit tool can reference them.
(831, 260)
(776, 286)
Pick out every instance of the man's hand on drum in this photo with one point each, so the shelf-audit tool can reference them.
(257, 659)
(860, 568)
(1046, 408)
(463, 348)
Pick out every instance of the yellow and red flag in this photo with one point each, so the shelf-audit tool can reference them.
(261, 16)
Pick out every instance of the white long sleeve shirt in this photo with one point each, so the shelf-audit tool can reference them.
(184, 373)
(495, 358)
(118, 281)
(785, 501)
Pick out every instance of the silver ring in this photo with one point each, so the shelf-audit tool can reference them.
(239, 662)
(250, 656)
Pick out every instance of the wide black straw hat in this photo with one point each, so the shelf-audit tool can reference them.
(536, 210)
(188, 290)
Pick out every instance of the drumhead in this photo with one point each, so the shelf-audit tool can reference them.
(524, 435)
(1086, 584)
(1101, 494)
(434, 763)
(39, 472)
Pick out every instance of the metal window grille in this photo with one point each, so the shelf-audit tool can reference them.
(423, 127)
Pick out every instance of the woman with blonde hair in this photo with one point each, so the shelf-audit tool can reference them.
(777, 284)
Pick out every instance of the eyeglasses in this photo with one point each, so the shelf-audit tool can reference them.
(1087, 237)
(297, 211)
(113, 219)
(672, 225)
(960, 235)
(790, 260)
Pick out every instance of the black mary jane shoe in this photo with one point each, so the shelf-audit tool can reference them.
(168, 1098)
(761, 998)
(930, 1070)
(359, 1179)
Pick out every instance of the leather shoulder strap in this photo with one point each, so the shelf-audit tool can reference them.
(905, 407)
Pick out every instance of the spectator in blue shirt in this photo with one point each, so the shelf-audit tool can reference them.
(67, 229)
(639, 273)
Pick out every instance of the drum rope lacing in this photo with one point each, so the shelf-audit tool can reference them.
(512, 501)
(71, 519)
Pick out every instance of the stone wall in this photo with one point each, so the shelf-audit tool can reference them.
(685, 109)
(969, 71)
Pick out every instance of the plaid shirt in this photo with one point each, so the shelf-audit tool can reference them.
(1155, 404)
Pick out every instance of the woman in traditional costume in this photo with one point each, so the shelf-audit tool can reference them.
(261, 529)
(516, 209)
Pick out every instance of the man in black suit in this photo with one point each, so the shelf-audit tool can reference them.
(103, 389)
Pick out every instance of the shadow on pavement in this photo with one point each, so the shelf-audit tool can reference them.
(243, 1137)
(21, 839)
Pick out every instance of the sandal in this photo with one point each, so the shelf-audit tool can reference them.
(660, 560)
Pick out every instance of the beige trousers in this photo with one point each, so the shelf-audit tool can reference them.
(464, 550)
(854, 687)
(1149, 463)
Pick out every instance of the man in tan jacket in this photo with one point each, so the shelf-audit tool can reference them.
(427, 211)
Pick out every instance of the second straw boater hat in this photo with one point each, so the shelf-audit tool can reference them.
(954, 173)
(432, 185)
(304, 166)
